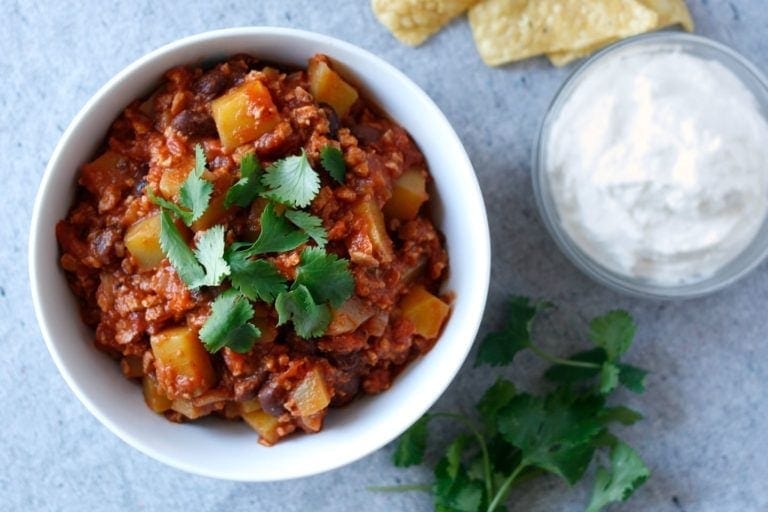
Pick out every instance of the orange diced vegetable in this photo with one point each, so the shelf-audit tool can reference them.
(375, 229)
(155, 399)
(213, 214)
(173, 178)
(188, 409)
(143, 242)
(264, 424)
(349, 316)
(408, 194)
(244, 114)
(103, 172)
(328, 87)
(425, 311)
(311, 394)
(182, 364)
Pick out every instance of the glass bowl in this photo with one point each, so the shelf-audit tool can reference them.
(727, 274)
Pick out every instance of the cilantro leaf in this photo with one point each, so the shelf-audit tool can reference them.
(210, 253)
(228, 324)
(412, 444)
(256, 279)
(333, 162)
(613, 332)
(569, 374)
(249, 186)
(325, 276)
(632, 377)
(494, 399)
(277, 234)
(178, 252)
(313, 226)
(195, 192)
(291, 181)
(181, 213)
(553, 433)
(627, 473)
(499, 348)
(453, 489)
(609, 377)
(310, 319)
(620, 414)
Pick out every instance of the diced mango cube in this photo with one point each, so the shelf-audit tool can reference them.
(328, 87)
(173, 178)
(142, 240)
(264, 424)
(349, 316)
(311, 395)
(182, 364)
(408, 194)
(244, 114)
(213, 215)
(373, 221)
(156, 400)
(189, 409)
(425, 311)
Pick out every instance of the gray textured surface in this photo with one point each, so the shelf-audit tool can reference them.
(706, 433)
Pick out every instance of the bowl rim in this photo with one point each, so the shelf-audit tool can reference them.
(735, 269)
(38, 232)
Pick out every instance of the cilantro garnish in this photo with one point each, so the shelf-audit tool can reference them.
(312, 226)
(322, 280)
(326, 276)
(291, 181)
(178, 252)
(210, 254)
(194, 194)
(627, 473)
(277, 234)
(228, 325)
(518, 436)
(333, 162)
(248, 187)
(299, 307)
(256, 279)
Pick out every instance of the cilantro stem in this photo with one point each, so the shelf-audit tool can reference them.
(559, 360)
(480, 441)
(504, 489)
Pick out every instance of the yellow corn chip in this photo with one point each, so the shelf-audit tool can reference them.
(670, 12)
(413, 21)
(509, 30)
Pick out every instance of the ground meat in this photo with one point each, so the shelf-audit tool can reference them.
(132, 303)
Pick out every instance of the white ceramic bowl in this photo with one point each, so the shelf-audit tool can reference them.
(227, 450)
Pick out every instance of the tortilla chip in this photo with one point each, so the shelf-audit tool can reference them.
(670, 12)
(509, 30)
(413, 21)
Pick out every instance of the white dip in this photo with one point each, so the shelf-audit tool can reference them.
(658, 166)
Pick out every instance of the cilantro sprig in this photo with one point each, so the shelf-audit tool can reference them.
(516, 435)
(333, 162)
(322, 280)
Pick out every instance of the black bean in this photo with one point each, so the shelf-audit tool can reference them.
(211, 84)
(272, 397)
(194, 124)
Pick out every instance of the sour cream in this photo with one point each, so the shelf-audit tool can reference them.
(657, 165)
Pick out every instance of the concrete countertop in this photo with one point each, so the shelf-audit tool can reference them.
(705, 435)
